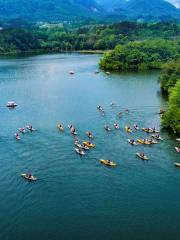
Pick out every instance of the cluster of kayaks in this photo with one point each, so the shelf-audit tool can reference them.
(82, 147)
(23, 130)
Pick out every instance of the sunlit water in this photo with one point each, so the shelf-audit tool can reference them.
(78, 198)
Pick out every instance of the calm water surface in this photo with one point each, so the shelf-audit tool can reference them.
(78, 198)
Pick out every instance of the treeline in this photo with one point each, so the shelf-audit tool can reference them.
(147, 54)
(90, 37)
(170, 83)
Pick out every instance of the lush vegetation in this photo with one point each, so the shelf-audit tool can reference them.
(170, 83)
(147, 54)
(68, 37)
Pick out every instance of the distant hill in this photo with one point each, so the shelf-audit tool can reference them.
(141, 9)
(49, 10)
(58, 10)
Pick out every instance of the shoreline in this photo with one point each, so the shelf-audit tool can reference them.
(52, 52)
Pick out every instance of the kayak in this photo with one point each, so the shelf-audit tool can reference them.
(11, 105)
(116, 126)
(77, 144)
(149, 130)
(177, 164)
(22, 130)
(178, 139)
(74, 133)
(143, 142)
(142, 157)
(17, 137)
(128, 130)
(157, 138)
(30, 129)
(177, 149)
(32, 178)
(107, 128)
(88, 144)
(79, 151)
(154, 142)
(89, 134)
(108, 163)
(132, 143)
(60, 127)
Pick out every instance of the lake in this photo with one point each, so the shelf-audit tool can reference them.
(77, 197)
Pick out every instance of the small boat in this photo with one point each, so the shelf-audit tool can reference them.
(178, 139)
(60, 127)
(132, 142)
(96, 72)
(157, 137)
(116, 126)
(80, 151)
(30, 128)
(107, 128)
(29, 178)
(141, 156)
(108, 73)
(144, 141)
(89, 144)
(71, 72)
(108, 163)
(177, 149)
(22, 130)
(128, 129)
(90, 135)
(11, 105)
(177, 164)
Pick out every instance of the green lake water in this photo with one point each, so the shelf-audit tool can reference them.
(76, 197)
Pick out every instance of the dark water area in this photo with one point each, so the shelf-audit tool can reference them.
(77, 197)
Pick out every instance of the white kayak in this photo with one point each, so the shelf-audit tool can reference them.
(157, 138)
(107, 128)
(142, 157)
(134, 143)
(31, 129)
(17, 137)
(116, 126)
(177, 149)
(32, 178)
(22, 130)
(80, 151)
(178, 139)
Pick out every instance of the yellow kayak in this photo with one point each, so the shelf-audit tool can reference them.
(128, 130)
(108, 163)
(60, 127)
(88, 144)
(140, 141)
(143, 142)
